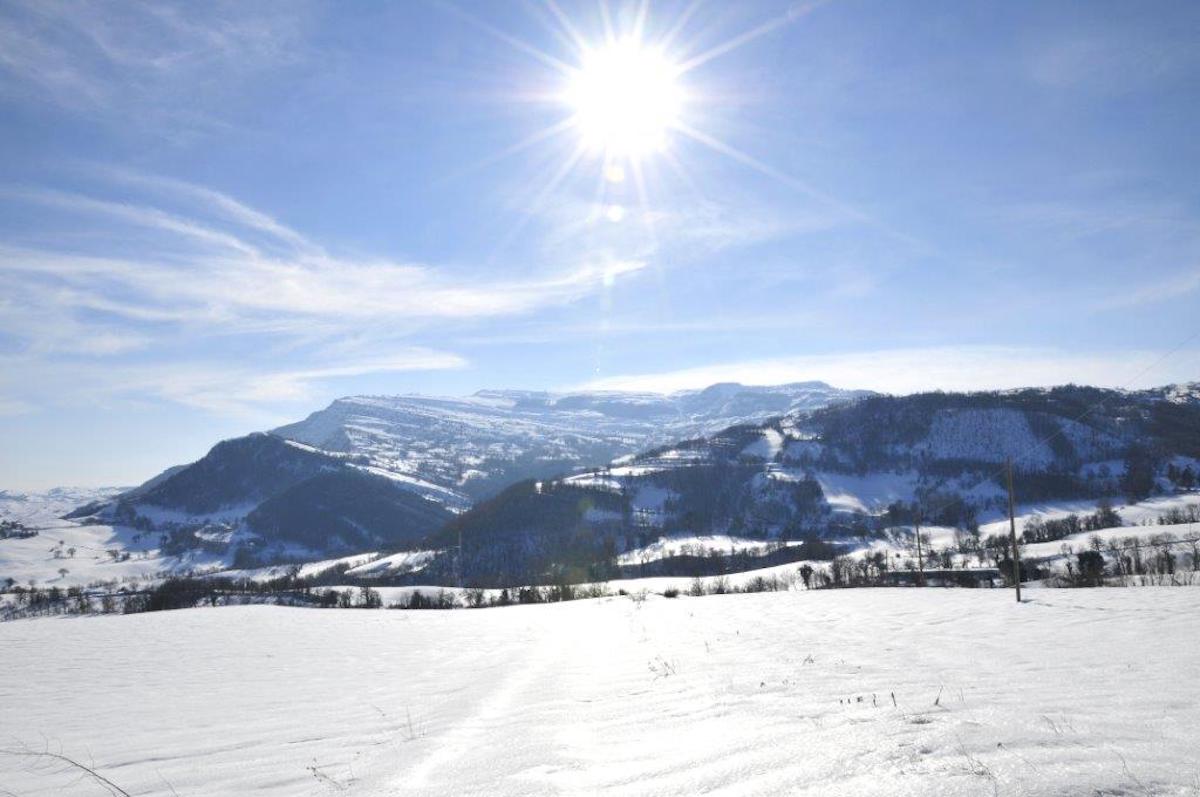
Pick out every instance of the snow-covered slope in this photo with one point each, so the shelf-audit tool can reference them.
(1074, 692)
(66, 553)
(261, 498)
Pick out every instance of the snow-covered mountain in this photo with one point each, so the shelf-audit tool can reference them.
(477, 445)
(371, 472)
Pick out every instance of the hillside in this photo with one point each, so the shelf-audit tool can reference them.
(852, 470)
(263, 498)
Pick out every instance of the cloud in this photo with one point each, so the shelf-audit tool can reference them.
(216, 202)
(163, 283)
(904, 371)
(195, 269)
(110, 60)
(218, 387)
(1104, 62)
(1124, 242)
(232, 391)
(138, 215)
(15, 407)
(556, 331)
(1103, 209)
(1173, 287)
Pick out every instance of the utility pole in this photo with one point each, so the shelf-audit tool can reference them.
(459, 558)
(1012, 530)
(920, 561)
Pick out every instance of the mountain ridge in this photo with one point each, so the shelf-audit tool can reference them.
(268, 494)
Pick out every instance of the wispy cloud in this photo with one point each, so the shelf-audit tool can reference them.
(217, 387)
(1174, 286)
(220, 387)
(556, 331)
(15, 407)
(1107, 62)
(184, 262)
(944, 368)
(684, 228)
(215, 202)
(109, 59)
(289, 275)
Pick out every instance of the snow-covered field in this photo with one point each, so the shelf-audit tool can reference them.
(1074, 692)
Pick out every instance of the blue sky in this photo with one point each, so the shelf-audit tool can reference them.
(215, 218)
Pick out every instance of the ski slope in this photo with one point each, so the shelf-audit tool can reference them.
(1073, 692)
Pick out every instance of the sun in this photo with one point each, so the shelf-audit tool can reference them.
(626, 99)
(630, 99)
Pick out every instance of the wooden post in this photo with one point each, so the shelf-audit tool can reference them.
(920, 561)
(1012, 530)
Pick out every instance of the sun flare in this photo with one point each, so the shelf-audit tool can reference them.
(628, 106)
(626, 99)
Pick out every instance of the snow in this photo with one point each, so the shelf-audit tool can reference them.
(430, 438)
(697, 544)
(1183, 393)
(1147, 511)
(404, 562)
(592, 480)
(433, 492)
(306, 447)
(35, 507)
(39, 559)
(1082, 542)
(846, 492)
(1072, 692)
(609, 478)
(872, 493)
(651, 498)
(767, 446)
(33, 559)
(306, 570)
